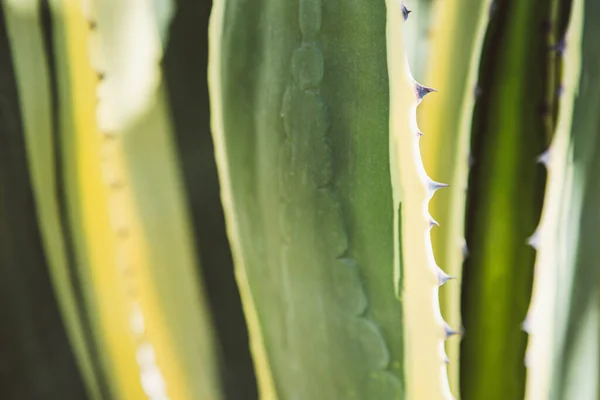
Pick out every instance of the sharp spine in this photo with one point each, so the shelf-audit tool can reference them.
(526, 326)
(422, 91)
(449, 332)
(534, 240)
(560, 47)
(443, 277)
(464, 249)
(405, 12)
(492, 9)
(432, 223)
(435, 186)
(544, 158)
(470, 161)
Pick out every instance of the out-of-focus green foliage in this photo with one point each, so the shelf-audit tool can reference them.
(97, 179)
(508, 135)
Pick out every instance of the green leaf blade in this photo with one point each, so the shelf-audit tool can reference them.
(303, 155)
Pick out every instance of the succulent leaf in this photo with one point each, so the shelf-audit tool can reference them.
(509, 133)
(301, 137)
(118, 243)
(562, 355)
(425, 331)
(446, 120)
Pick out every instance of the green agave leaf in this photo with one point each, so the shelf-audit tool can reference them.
(577, 374)
(300, 121)
(512, 126)
(563, 351)
(309, 133)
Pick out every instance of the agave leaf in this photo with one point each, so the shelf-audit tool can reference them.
(424, 331)
(445, 119)
(317, 230)
(184, 69)
(300, 120)
(111, 202)
(506, 184)
(33, 71)
(37, 360)
(153, 254)
(563, 349)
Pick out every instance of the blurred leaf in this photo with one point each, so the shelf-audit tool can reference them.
(111, 205)
(564, 318)
(29, 28)
(184, 67)
(37, 360)
(505, 193)
(164, 327)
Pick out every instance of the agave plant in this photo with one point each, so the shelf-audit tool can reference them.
(300, 257)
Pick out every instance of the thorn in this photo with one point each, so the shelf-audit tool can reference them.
(464, 249)
(434, 186)
(560, 90)
(560, 47)
(446, 360)
(493, 7)
(405, 12)
(100, 76)
(432, 223)
(92, 25)
(443, 277)
(526, 326)
(470, 161)
(527, 360)
(477, 92)
(419, 134)
(534, 240)
(422, 91)
(544, 158)
(449, 332)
